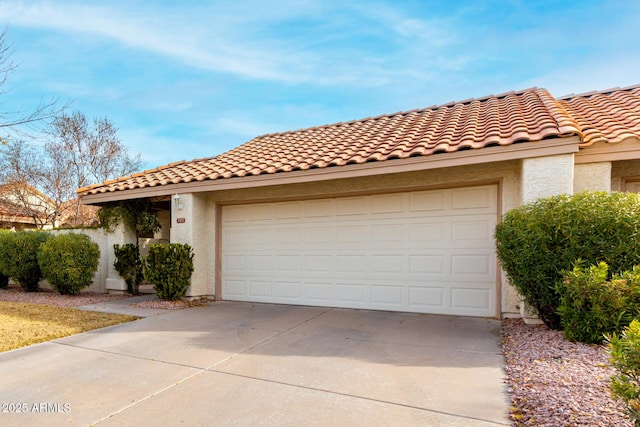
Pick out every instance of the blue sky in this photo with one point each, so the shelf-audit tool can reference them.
(192, 79)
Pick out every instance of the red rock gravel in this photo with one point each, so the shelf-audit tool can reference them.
(15, 294)
(171, 305)
(554, 382)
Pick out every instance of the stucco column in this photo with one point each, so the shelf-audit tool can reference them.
(190, 224)
(592, 177)
(121, 235)
(546, 176)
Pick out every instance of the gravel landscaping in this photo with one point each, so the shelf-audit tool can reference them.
(554, 382)
(49, 297)
(46, 296)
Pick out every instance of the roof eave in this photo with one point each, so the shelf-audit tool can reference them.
(547, 147)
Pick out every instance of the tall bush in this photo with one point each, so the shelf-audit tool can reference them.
(169, 268)
(624, 351)
(69, 261)
(129, 265)
(592, 305)
(539, 240)
(18, 257)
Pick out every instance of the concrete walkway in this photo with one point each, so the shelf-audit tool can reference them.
(242, 364)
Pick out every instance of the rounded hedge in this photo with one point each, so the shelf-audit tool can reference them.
(68, 262)
(169, 268)
(536, 242)
(18, 257)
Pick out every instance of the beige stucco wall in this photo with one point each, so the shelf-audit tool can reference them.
(592, 177)
(194, 225)
(623, 170)
(547, 176)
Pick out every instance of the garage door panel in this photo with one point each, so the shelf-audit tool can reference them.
(288, 291)
(347, 294)
(387, 296)
(425, 251)
(288, 210)
(475, 266)
(319, 263)
(356, 234)
(319, 293)
(260, 289)
(388, 204)
(260, 263)
(352, 264)
(321, 208)
(288, 263)
(427, 298)
(291, 237)
(387, 264)
(469, 234)
(235, 288)
(434, 232)
(465, 299)
(388, 234)
(428, 201)
(478, 199)
(430, 265)
(350, 206)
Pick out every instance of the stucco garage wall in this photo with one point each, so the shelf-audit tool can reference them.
(506, 173)
(622, 170)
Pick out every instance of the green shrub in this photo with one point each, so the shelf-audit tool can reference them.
(169, 268)
(18, 257)
(624, 351)
(536, 242)
(591, 305)
(4, 279)
(69, 261)
(128, 265)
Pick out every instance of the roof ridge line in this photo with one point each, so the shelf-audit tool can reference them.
(433, 107)
(597, 92)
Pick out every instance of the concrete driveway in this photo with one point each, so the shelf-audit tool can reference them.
(242, 364)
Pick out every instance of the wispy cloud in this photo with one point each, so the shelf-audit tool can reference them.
(259, 44)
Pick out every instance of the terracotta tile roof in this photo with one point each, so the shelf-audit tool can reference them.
(525, 116)
(607, 116)
(13, 210)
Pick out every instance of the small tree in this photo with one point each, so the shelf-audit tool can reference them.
(18, 257)
(69, 261)
(128, 265)
(169, 268)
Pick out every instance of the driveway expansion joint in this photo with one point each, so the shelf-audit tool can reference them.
(354, 396)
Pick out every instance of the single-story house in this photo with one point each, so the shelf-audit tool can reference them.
(394, 212)
(23, 207)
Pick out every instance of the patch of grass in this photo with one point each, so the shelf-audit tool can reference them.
(23, 324)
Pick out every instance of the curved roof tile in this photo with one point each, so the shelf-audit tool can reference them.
(525, 116)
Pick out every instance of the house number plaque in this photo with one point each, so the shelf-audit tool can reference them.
(181, 220)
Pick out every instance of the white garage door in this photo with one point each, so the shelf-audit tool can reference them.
(424, 251)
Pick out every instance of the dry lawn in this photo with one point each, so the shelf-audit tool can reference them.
(23, 324)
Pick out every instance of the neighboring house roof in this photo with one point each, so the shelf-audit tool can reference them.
(608, 116)
(526, 116)
(12, 210)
